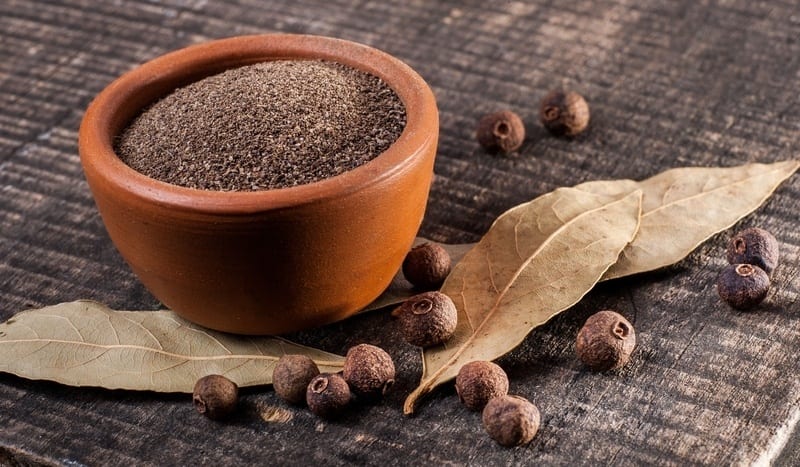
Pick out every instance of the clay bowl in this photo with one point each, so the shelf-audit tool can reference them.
(273, 261)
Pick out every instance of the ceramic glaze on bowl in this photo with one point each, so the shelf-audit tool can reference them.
(273, 261)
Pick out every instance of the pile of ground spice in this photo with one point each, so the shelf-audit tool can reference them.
(264, 126)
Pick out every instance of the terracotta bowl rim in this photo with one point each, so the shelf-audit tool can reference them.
(103, 121)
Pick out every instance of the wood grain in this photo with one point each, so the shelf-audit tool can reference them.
(679, 83)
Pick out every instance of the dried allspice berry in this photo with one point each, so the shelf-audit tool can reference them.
(215, 396)
(511, 420)
(328, 395)
(564, 113)
(501, 131)
(426, 266)
(291, 376)
(754, 246)
(743, 286)
(369, 370)
(427, 319)
(479, 382)
(606, 341)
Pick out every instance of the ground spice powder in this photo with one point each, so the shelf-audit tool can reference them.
(270, 125)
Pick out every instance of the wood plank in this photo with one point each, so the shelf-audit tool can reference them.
(669, 83)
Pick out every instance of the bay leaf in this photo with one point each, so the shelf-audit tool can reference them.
(682, 208)
(536, 260)
(85, 343)
(400, 289)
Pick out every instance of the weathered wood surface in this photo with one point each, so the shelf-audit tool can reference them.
(669, 83)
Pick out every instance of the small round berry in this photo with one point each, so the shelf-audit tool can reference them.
(426, 266)
(743, 286)
(754, 246)
(479, 382)
(501, 131)
(564, 113)
(369, 370)
(606, 341)
(327, 395)
(511, 420)
(291, 376)
(215, 396)
(427, 319)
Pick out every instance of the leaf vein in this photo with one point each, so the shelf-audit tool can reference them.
(705, 193)
(110, 347)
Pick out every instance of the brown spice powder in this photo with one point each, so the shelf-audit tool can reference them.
(264, 126)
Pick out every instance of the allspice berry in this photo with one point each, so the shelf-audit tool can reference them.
(479, 382)
(564, 113)
(606, 341)
(754, 246)
(215, 396)
(511, 420)
(426, 266)
(368, 370)
(743, 286)
(327, 395)
(501, 131)
(427, 319)
(291, 376)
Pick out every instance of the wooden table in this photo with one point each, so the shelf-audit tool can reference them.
(680, 83)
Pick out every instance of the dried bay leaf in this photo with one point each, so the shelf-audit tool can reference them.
(85, 343)
(681, 208)
(400, 289)
(667, 197)
(537, 260)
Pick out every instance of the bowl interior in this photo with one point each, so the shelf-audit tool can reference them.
(124, 99)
